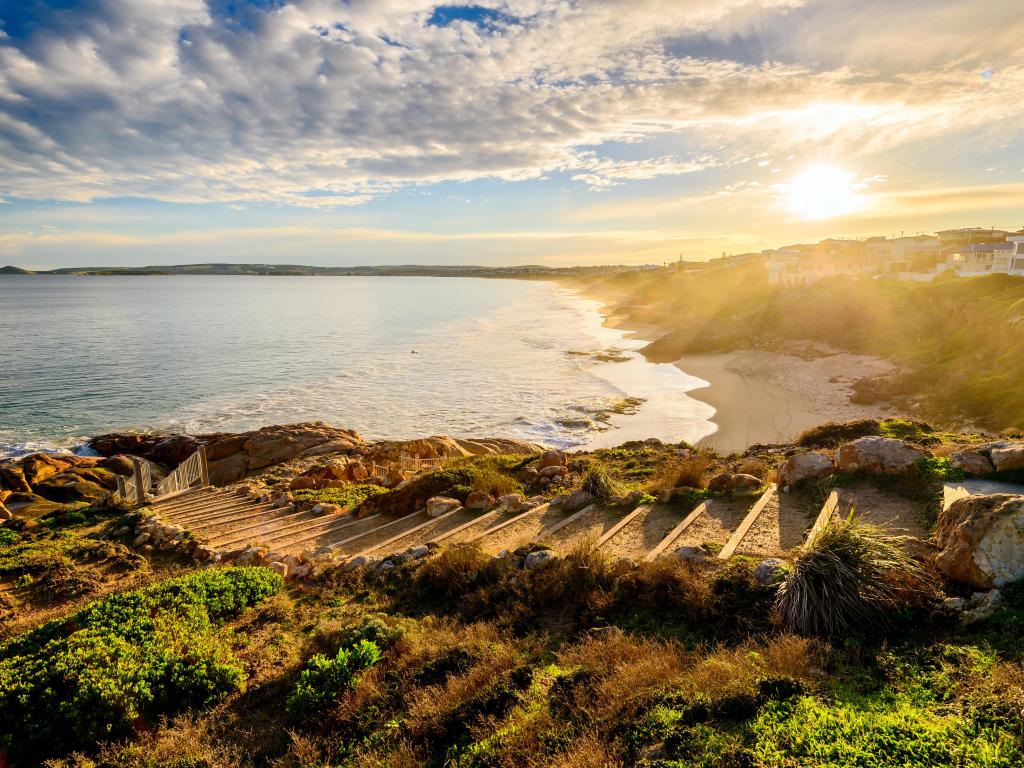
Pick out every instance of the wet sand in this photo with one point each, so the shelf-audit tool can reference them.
(770, 397)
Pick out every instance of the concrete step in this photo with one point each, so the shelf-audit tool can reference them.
(241, 519)
(205, 503)
(421, 533)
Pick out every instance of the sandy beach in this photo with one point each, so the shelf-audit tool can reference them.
(767, 397)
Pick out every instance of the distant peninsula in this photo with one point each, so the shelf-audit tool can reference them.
(300, 270)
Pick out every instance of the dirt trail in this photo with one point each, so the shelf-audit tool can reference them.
(716, 525)
(438, 526)
(898, 515)
(522, 531)
(588, 527)
(781, 526)
(643, 533)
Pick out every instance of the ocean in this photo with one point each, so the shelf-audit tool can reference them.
(392, 357)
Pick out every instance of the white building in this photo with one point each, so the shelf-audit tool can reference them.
(989, 258)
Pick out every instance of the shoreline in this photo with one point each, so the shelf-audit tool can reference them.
(770, 397)
(762, 396)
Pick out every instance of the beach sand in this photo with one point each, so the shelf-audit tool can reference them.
(769, 397)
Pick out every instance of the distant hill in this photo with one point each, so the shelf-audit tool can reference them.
(15, 271)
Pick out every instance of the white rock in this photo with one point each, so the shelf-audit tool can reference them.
(538, 558)
(440, 505)
(877, 454)
(804, 466)
(279, 567)
(142, 538)
(1008, 458)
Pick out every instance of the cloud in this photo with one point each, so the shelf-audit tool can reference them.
(322, 103)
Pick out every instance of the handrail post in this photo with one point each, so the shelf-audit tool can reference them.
(140, 490)
(121, 492)
(204, 467)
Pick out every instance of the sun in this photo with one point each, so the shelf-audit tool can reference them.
(822, 192)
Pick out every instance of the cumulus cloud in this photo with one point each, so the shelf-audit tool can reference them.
(326, 103)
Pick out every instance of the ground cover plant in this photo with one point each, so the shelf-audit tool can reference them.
(121, 661)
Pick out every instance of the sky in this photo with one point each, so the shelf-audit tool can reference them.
(350, 132)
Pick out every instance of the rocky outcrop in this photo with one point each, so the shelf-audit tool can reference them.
(39, 484)
(982, 540)
(877, 455)
(1008, 458)
(804, 467)
(442, 446)
(728, 481)
(972, 462)
(233, 455)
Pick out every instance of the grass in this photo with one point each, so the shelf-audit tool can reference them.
(852, 578)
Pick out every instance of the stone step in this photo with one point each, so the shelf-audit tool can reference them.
(670, 538)
(269, 524)
(368, 539)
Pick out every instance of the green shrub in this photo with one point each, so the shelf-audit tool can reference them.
(8, 536)
(852, 577)
(350, 496)
(123, 661)
(324, 680)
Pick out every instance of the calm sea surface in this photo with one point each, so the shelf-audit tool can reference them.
(389, 357)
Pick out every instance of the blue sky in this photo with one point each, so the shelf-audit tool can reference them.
(513, 131)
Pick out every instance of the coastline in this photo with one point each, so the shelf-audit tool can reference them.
(763, 396)
(770, 397)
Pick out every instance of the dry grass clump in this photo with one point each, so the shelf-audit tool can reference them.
(667, 586)
(589, 751)
(755, 467)
(453, 572)
(689, 472)
(853, 577)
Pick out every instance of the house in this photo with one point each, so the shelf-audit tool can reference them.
(989, 258)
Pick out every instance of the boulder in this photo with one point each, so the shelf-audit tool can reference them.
(119, 464)
(279, 567)
(142, 538)
(573, 502)
(303, 483)
(40, 466)
(228, 470)
(440, 505)
(13, 478)
(1008, 458)
(5, 513)
(323, 508)
(691, 554)
(981, 539)
(479, 500)
(972, 462)
(530, 474)
(981, 606)
(551, 459)
(358, 472)
(415, 553)
(877, 455)
(770, 572)
(552, 472)
(803, 467)
(394, 478)
(538, 558)
(727, 481)
(362, 561)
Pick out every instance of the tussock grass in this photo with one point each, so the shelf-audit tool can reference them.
(689, 472)
(853, 577)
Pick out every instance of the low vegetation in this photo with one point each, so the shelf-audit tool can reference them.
(350, 496)
(955, 341)
(852, 578)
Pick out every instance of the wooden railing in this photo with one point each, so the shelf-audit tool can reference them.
(193, 472)
(416, 464)
(134, 489)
